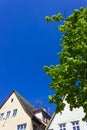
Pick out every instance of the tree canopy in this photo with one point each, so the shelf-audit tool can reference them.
(69, 77)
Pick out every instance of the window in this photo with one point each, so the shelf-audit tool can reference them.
(22, 127)
(12, 99)
(8, 114)
(86, 122)
(14, 112)
(75, 125)
(34, 127)
(44, 118)
(1, 116)
(62, 126)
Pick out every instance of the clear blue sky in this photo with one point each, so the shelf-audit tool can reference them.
(27, 43)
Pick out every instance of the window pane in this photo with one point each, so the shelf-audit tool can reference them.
(24, 125)
(73, 123)
(11, 99)
(21, 127)
(76, 125)
(74, 128)
(8, 114)
(14, 112)
(1, 116)
(77, 122)
(62, 126)
(78, 128)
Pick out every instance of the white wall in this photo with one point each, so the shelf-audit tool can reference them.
(67, 117)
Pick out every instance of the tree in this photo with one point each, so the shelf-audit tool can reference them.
(69, 77)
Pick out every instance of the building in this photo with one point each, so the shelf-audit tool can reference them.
(68, 120)
(18, 114)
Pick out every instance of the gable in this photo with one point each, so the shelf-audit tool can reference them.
(10, 104)
(25, 111)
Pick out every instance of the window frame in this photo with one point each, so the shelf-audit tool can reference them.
(62, 126)
(44, 118)
(75, 125)
(22, 126)
(1, 116)
(8, 114)
(12, 99)
(14, 112)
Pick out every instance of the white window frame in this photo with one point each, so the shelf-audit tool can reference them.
(22, 126)
(86, 122)
(12, 99)
(44, 118)
(8, 114)
(75, 125)
(14, 112)
(1, 116)
(62, 126)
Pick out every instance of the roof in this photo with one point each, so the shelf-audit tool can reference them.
(28, 108)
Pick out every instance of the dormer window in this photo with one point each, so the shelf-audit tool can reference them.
(86, 122)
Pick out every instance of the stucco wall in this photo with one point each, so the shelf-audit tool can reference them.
(67, 117)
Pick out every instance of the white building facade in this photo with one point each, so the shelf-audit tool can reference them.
(68, 120)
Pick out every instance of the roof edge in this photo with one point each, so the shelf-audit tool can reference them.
(7, 98)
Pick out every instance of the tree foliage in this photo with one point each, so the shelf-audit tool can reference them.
(69, 78)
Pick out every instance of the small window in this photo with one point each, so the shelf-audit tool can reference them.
(8, 114)
(44, 118)
(62, 126)
(12, 99)
(75, 125)
(14, 112)
(86, 122)
(22, 127)
(1, 116)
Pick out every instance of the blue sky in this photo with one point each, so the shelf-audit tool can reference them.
(27, 43)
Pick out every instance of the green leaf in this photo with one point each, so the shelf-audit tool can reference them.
(72, 69)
